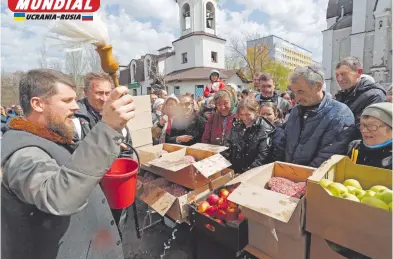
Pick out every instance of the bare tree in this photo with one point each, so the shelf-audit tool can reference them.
(93, 59)
(43, 59)
(10, 88)
(56, 64)
(251, 49)
(75, 65)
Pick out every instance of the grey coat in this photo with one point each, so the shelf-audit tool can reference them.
(52, 205)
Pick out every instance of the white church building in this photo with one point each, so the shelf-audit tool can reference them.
(360, 28)
(185, 67)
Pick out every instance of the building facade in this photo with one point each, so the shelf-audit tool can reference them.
(279, 50)
(363, 30)
(185, 67)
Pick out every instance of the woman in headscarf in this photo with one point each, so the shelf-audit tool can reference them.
(163, 126)
(188, 126)
(157, 109)
(375, 147)
(219, 124)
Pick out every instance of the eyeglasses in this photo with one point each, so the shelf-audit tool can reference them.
(370, 127)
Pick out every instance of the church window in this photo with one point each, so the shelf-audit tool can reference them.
(186, 17)
(184, 58)
(214, 57)
(210, 19)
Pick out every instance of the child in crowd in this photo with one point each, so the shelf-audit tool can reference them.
(214, 85)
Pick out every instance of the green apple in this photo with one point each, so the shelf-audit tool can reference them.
(357, 192)
(353, 183)
(337, 189)
(385, 196)
(325, 182)
(390, 206)
(351, 189)
(351, 197)
(374, 202)
(378, 188)
(367, 193)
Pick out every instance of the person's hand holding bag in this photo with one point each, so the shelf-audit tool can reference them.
(118, 109)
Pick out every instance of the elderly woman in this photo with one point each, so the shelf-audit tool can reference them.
(157, 109)
(219, 123)
(375, 148)
(250, 139)
(163, 125)
(187, 126)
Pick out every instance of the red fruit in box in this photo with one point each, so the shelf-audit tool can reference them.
(232, 214)
(224, 193)
(223, 205)
(211, 211)
(213, 199)
(240, 217)
(221, 214)
(219, 221)
(232, 205)
(203, 206)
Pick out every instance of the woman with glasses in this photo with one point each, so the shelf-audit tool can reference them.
(188, 126)
(219, 123)
(375, 148)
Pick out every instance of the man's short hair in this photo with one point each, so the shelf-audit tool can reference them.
(41, 83)
(311, 74)
(96, 76)
(352, 62)
(266, 77)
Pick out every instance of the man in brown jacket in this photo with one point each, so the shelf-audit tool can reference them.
(51, 203)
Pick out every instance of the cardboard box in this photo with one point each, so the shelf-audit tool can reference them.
(140, 184)
(142, 120)
(174, 169)
(141, 137)
(176, 208)
(149, 153)
(275, 220)
(320, 249)
(251, 252)
(209, 147)
(353, 225)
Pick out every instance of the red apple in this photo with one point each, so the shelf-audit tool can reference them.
(213, 199)
(231, 214)
(211, 211)
(224, 193)
(240, 217)
(223, 205)
(202, 207)
(219, 221)
(221, 214)
(232, 205)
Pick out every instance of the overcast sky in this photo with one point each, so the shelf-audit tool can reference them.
(140, 26)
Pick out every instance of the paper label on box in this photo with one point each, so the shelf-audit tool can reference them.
(211, 165)
(209, 147)
(266, 202)
(160, 200)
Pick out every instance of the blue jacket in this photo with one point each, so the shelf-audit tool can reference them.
(327, 131)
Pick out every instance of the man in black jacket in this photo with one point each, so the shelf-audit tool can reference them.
(356, 92)
(98, 87)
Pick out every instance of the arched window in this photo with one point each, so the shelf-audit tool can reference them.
(210, 16)
(186, 16)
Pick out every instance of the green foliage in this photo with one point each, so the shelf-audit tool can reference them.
(279, 72)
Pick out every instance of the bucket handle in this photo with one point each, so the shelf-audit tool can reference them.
(136, 153)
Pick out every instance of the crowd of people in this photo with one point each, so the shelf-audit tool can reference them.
(304, 125)
(55, 149)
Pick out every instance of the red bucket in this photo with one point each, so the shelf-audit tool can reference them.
(119, 183)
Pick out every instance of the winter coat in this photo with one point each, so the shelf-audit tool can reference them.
(68, 215)
(359, 97)
(249, 147)
(214, 129)
(282, 104)
(376, 157)
(4, 123)
(327, 130)
(278, 134)
(213, 88)
(194, 126)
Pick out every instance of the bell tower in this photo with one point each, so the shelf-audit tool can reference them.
(197, 16)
